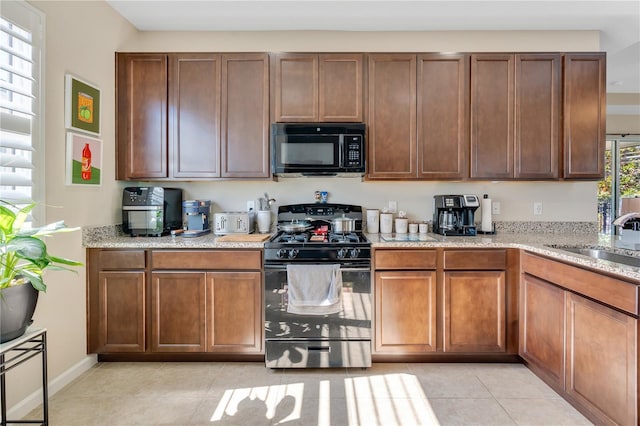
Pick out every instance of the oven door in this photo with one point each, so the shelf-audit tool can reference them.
(353, 322)
(303, 341)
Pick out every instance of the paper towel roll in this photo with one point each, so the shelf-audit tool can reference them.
(486, 225)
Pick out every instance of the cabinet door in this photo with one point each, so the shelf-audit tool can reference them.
(141, 90)
(296, 87)
(492, 107)
(194, 88)
(474, 311)
(121, 311)
(443, 109)
(405, 314)
(245, 115)
(601, 374)
(537, 115)
(542, 328)
(178, 312)
(340, 87)
(234, 312)
(584, 115)
(392, 116)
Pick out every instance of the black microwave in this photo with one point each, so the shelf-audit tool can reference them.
(318, 149)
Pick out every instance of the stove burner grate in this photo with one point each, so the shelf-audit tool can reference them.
(344, 238)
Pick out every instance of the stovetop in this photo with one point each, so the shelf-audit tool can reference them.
(319, 243)
(318, 237)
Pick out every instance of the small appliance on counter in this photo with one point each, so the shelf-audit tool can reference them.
(151, 211)
(233, 223)
(196, 217)
(454, 214)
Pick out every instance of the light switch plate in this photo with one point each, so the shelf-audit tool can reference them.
(537, 208)
(393, 206)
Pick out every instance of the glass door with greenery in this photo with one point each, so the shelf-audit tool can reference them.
(621, 178)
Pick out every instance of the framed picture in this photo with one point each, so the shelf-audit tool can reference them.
(84, 160)
(82, 105)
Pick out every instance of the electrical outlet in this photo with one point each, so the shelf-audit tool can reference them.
(251, 205)
(537, 208)
(393, 206)
(495, 207)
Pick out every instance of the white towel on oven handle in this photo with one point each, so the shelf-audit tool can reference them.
(314, 289)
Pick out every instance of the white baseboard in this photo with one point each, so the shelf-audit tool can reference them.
(32, 401)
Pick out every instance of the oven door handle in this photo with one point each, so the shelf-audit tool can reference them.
(342, 268)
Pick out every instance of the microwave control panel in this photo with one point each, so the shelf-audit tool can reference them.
(353, 150)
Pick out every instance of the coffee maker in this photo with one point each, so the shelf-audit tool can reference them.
(454, 214)
(196, 217)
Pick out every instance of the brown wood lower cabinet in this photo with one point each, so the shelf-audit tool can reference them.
(234, 307)
(601, 350)
(116, 310)
(405, 311)
(474, 311)
(584, 349)
(542, 325)
(178, 312)
(121, 311)
(193, 302)
(445, 302)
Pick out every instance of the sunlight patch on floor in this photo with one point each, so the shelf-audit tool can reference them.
(271, 396)
(385, 399)
(388, 399)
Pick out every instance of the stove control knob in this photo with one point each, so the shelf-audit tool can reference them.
(354, 253)
(281, 254)
(342, 253)
(293, 253)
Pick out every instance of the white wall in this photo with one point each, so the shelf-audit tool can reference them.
(81, 38)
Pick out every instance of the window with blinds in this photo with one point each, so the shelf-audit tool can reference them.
(21, 171)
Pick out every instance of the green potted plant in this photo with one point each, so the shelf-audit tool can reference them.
(23, 259)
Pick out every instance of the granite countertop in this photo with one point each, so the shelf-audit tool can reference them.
(545, 244)
(548, 244)
(208, 241)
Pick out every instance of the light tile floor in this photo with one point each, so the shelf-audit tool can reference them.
(249, 394)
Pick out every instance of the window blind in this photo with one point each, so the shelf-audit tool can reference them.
(21, 171)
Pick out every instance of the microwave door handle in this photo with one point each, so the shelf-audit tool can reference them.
(341, 151)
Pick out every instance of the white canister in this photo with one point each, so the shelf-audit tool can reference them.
(402, 224)
(423, 228)
(264, 221)
(373, 221)
(386, 223)
(413, 228)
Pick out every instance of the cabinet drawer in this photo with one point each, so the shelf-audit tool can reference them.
(121, 259)
(477, 260)
(207, 259)
(405, 259)
(614, 292)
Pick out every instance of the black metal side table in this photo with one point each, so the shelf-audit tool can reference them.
(15, 352)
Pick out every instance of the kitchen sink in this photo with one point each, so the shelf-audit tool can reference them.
(604, 255)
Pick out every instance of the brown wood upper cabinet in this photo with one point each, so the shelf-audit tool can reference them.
(584, 115)
(418, 116)
(515, 116)
(192, 116)
(318, 87)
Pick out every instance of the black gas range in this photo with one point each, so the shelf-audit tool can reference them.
(306, 244)
(316, 241)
